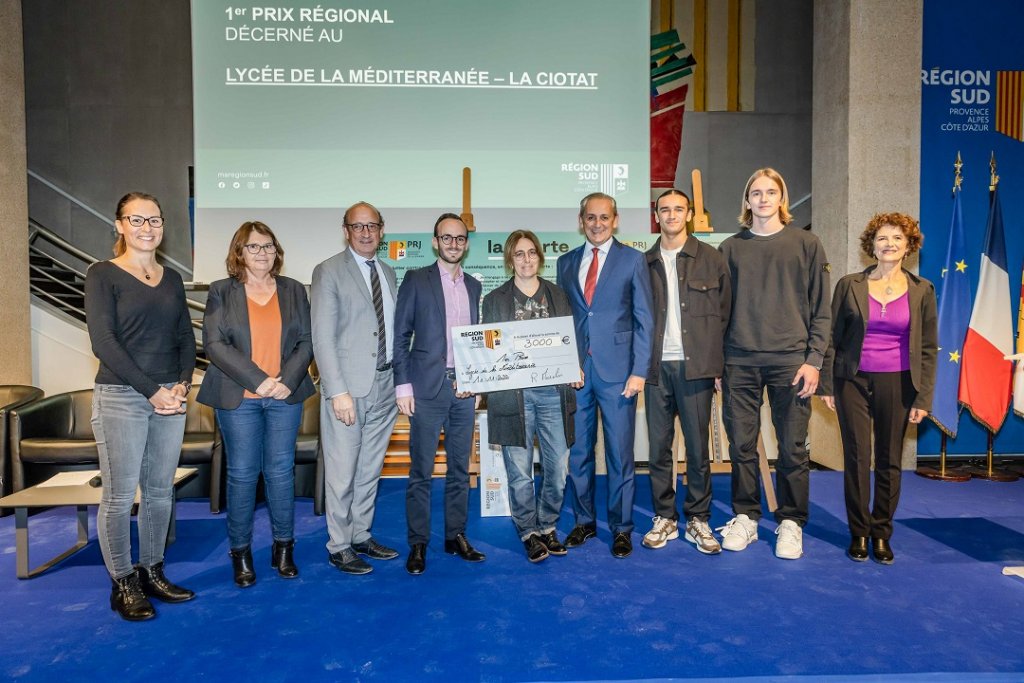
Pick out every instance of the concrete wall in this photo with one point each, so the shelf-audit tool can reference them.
(728, 146)
(14, 314)
(867, 137)
(109, 106)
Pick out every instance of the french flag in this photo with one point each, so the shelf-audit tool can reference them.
(986, 376)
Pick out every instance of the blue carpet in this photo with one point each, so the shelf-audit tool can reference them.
(942, 612)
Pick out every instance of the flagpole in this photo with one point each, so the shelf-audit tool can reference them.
(942, 474)
(990, 472)
(946, 416)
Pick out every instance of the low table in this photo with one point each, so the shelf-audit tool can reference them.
(79, 495)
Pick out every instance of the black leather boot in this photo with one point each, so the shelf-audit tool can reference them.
(281, 559)
(128, 600)
(241, 562)
(155, 585)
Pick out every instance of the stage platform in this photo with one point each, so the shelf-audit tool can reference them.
(942, 612)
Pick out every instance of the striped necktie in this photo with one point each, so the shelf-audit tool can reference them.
(378, 308)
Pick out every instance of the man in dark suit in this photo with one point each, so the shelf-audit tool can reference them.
(353, 328)
(609, 291)
(431, 301)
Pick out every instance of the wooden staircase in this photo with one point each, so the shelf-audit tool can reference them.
(396, 460)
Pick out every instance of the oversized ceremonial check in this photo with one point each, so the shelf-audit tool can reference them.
(515, 355)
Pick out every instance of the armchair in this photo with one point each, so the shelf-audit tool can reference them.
(11, 396)
(51, 434)
(309, 455)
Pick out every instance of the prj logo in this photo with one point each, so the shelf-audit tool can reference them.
(492, 339)
(397, 250)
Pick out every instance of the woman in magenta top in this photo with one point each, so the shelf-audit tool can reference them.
(885, 345)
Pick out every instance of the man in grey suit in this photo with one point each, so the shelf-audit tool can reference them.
(353, 313)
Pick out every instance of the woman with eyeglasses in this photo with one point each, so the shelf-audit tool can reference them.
(140, 331)
(256, 333)
(516, 416)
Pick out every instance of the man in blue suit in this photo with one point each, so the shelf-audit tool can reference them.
(609, 290)
(431, 301)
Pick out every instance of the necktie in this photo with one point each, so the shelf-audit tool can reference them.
(378, 308)
(591, 283)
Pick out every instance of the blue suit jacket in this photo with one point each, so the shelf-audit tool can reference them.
(617, 329)
(421, 338)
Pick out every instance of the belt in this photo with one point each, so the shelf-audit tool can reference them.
(385, 367)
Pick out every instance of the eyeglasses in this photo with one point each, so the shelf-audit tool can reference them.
(525, 255)
(364, 227)
(257, 248)
(137, 221)
(448, 239)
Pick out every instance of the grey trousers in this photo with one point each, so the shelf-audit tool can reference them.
(353, 457)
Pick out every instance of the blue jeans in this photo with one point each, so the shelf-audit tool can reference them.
(538, 514)
(138, 450)
(259, 436)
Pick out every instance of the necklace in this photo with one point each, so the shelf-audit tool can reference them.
(148, 276)
(888, 289)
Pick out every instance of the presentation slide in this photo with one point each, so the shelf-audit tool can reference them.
(302, 109)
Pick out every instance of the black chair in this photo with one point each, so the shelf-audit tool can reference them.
(50, 435)
(203, 448)
(55, 434)
(12, 396)
(309, 455)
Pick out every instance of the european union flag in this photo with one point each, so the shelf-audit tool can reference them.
(954, 317)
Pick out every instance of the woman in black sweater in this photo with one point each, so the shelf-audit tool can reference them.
(140, 330)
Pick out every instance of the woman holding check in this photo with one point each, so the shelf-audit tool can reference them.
(514, 417)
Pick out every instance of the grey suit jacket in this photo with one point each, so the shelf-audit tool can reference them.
(345, 325)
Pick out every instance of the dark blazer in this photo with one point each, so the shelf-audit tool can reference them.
(705, 302)
(616, 330)
(506, 417)
(421, 338)
(228, 344)
(849, 324)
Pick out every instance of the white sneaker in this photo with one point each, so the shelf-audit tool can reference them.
(699, 533)
(663, 531)
(790, 545)
(740, 532)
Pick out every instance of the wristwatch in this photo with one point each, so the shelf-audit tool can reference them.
(187, 385)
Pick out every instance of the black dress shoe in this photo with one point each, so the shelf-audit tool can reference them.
(881, 551)
(536, 551)
(460, 546)
(622, 545)
(241, 564)
(858, 550)
(347, 561)
(128, 600)
(281, 559)
(554, 546)
(417, 562)
(155, 585)
(579, 535)
(374, 550)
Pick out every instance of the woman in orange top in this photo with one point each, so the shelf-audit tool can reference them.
(257, 336)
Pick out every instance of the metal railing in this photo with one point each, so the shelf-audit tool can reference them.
(61, 284)
(106, 220)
